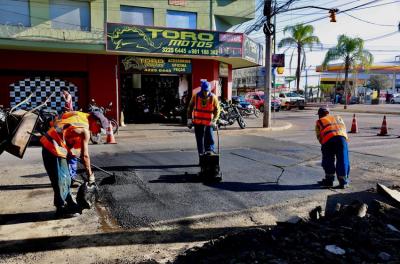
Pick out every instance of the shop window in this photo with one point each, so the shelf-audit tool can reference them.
(68, 14)
(178, 19)
(137, 15)
(42, 88)
(15, 12)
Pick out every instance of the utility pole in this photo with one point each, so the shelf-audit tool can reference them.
(268, 31)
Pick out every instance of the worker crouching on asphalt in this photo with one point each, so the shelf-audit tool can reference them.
(68, 137)
(203, 113)
(331, 133)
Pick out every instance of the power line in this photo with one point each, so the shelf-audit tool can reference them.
(369, 22)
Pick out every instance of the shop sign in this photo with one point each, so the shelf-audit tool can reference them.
(223, 70)
(144, 39)
(155, 65)
(251, 50)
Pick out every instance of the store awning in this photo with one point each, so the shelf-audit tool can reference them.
(233, 48)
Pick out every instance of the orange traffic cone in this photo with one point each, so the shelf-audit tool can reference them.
(384, 131)
(354, 127)
(110, 135)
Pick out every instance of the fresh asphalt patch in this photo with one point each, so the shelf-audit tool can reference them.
(165, 185)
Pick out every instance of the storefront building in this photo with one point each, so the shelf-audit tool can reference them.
(117, 51)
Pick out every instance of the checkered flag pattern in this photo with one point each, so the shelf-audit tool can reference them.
(42, 87)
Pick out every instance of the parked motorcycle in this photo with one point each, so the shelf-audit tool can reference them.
(229, 115)
(93, 107)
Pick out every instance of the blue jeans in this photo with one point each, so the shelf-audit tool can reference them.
(204, 138)
(58, 171)
(73, 166)
(336, 148)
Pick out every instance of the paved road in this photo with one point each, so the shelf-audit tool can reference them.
(157, 178)
(168, 187)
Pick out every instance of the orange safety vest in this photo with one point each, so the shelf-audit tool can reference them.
(329, 127)
(60, 140)
(203, 113)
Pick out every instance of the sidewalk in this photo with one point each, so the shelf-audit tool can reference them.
(160, 130)
(390, 109)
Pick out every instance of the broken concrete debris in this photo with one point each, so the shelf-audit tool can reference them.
(353, 233)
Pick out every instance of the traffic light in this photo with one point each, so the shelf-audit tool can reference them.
(332, 15)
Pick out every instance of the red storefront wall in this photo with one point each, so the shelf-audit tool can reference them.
(209, 69)
(94, 75)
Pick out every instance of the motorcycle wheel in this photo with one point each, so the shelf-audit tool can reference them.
(257, 112)
(241, 122)
(96, 138)
(115, 126)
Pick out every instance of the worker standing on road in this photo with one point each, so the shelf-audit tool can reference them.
(69, 136)
(203, 113)
(331, 133)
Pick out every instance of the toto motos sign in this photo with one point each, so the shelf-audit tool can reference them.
(144, 39)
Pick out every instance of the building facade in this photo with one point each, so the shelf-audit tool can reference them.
(119, 51)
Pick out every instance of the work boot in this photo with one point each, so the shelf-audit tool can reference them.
(325, 183)
(67, 211)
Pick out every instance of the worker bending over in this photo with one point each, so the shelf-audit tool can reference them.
(331, 133)
(67, 138)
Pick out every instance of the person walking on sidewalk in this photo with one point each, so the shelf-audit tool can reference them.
(67, 99)
(203, 112)
(331, 133)
(68, 137)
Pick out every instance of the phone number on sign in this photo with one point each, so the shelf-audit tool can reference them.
(190, 51)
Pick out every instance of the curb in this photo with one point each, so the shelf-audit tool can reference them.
(365, 111)
(258, 129)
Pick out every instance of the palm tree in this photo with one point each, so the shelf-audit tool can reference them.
(301, 38)
(353, 54)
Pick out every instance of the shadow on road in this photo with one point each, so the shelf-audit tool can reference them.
(183, 234)
(262, 186)
(19, 218)
(24, 187)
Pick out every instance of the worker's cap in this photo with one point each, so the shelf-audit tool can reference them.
(205, 86)
(322, 110)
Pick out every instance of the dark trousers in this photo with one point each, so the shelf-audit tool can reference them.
(204, 138)
(58, 171)
(336, 148)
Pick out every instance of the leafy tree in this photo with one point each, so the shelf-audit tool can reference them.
(301, 38)
(351, 51)
(379, 82)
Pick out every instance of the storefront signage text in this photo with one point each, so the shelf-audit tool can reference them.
(155, 65)
(132, 38)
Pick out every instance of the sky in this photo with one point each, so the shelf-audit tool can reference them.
(376, 22)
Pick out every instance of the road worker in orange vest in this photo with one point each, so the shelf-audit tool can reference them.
(331, 133)
(203, 113)
(68, 137)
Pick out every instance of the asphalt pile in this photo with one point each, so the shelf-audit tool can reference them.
(352, 233)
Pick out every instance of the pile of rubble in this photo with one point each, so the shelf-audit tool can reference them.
(353, 233)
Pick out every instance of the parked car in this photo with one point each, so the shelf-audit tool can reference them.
(395, 99)
(257, 99)
(292, 99)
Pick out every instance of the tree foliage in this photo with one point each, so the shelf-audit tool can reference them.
(352, 53)
(301, 37)
(379, 82)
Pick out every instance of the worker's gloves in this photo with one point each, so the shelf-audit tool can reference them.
(91, 179)
(189, 123)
